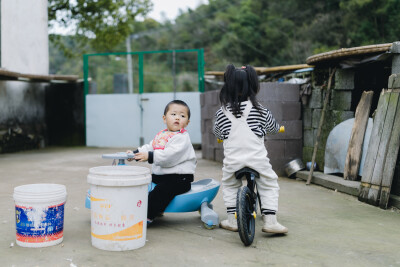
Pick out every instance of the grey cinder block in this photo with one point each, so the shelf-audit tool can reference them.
(282, 110)
(340, 100)
(211, 98)
(316, 99)
(308, 137)
(207, 152)
(219, 154)
(316, 116)
(204, 113)
(293, 148)
(344, 79)
(272, 91)
(307, 117)
(211, 111)
(275, 146)
(293, 130)
(202, 99)
(395, 48)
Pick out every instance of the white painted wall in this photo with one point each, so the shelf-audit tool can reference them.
(24, 36)
(114, 120)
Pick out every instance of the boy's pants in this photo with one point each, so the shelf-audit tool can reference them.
(163, 194)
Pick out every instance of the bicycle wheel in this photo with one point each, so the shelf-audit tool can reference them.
(245, 217)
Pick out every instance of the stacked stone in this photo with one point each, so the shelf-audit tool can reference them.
(338, 110)
(211, 149)
(283, 101)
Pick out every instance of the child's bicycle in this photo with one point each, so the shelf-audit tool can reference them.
(246, 205)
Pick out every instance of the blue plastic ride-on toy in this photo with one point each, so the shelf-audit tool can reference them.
(198, 198)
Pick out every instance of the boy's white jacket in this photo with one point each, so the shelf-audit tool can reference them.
(177, 157)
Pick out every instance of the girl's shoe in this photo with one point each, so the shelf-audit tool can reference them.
(271, 225)
(230, 223)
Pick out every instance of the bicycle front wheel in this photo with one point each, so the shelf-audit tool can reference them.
(245, 217)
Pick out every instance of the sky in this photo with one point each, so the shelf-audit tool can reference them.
(171, 8)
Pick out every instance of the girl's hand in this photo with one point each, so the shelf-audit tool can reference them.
(129, 152)
(142, 156)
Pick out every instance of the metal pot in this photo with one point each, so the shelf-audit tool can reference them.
(294, 166)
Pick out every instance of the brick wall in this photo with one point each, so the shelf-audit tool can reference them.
(283, 101)
(338, 110)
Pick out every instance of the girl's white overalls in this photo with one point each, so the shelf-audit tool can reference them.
(243, 148)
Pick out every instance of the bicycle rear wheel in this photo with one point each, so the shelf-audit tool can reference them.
(245, 217)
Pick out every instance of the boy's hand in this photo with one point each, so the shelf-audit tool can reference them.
(142, 156)
(129, 152)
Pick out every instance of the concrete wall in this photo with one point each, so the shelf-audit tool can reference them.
(114, 120)
(283, 101)
(24, 36)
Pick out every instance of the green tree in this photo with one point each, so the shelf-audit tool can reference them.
(101, 24)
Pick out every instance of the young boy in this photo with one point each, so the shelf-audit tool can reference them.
(172, 155)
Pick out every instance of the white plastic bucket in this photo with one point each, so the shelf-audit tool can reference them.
(118, 196)
(39, 214)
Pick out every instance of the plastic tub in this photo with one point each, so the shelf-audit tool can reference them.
(39, 214)
(118, 206)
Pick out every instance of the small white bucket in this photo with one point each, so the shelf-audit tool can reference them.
(39, 214)
(118, 196)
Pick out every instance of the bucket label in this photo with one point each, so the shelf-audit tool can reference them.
(39, 224)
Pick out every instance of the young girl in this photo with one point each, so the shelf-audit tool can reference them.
(172, 155)
(242, 123)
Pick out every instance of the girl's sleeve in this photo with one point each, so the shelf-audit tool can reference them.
(177, 150)
(217, 124)
(269, 124)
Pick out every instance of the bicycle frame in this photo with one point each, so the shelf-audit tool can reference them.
(251, 176)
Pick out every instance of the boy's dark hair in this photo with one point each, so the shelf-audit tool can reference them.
(240, 84)
(178, 102)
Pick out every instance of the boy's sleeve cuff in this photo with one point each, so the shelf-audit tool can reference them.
(151, 157)
(134, 152)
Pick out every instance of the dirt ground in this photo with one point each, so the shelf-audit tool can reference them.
(326, 228)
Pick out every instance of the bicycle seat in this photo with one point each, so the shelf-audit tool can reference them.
(246, 171)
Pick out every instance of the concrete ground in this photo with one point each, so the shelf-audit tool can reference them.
(326, 228)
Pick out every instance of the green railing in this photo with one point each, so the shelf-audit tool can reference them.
(200, 65)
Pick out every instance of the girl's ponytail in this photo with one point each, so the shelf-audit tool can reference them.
(239, 85)
(254, 86)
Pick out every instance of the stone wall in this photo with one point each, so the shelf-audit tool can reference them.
(22, 116)
(283, 101)
(35, 115)
(338, 110)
